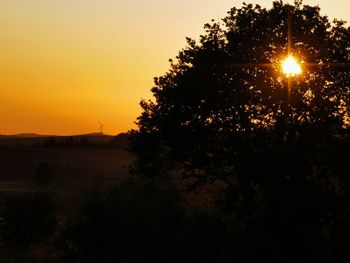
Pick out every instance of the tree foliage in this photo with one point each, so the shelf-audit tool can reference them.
(126, 223)
(27, 220)
(221, 117)
(216, 96)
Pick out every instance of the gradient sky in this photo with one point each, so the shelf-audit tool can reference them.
(65, 65)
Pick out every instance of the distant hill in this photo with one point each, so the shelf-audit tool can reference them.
(35, 135)
(25, 135)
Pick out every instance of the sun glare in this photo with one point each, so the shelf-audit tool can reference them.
(291, 67)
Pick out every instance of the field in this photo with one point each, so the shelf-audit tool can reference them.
(70, 166)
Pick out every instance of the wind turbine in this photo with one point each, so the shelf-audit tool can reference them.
(101, 126)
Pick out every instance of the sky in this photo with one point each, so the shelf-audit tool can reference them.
(66, 65)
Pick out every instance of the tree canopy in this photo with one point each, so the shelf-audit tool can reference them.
(223, 117)
(216, 91)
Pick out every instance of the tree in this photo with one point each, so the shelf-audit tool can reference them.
(43, 176)
(206, 109)
(220, 119)
(28, 220)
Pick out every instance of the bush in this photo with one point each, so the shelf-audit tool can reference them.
(28, 220)
(43, 176)
(139, 225)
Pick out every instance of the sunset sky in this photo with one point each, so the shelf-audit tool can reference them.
(65, 65)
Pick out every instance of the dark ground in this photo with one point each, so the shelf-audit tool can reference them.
(79, 162)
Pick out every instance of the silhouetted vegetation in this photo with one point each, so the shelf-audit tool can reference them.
(88, 141)
(44, 175)
(128, 222)
(230, 166)
(276, 161)
(133, 223)
(28, 220)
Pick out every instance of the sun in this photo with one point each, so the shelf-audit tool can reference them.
(291, 67)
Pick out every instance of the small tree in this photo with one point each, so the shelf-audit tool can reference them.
(43, 176)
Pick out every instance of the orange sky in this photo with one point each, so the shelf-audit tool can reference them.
(65, 65)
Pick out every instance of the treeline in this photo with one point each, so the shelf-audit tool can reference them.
(118, 141)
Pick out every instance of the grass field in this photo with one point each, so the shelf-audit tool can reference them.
(18, 165)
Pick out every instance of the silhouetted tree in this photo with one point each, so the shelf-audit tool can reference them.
(28, 219)
(43, 176)
(219, 118)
